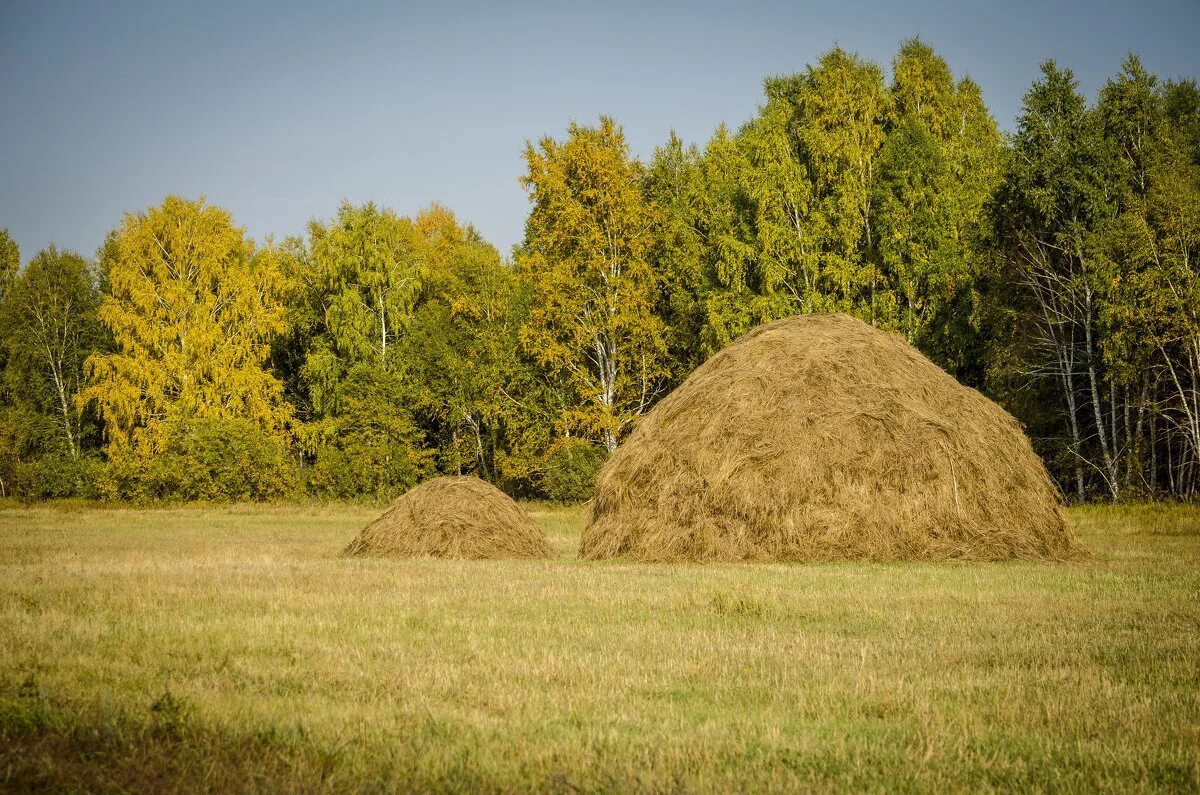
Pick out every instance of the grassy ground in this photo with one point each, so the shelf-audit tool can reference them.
(232, 649)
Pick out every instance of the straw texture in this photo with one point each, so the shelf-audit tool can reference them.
(821, 438)
(452, 517)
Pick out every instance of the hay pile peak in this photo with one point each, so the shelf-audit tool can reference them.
(820, 438)
(452, 517)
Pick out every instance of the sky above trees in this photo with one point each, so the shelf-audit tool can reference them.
(279, 111)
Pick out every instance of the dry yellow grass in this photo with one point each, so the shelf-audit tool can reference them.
(234, 649)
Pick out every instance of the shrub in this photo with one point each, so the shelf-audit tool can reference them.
(372, 448)
(383, 470)
(208, 459)
(571, 467)
(58, 475)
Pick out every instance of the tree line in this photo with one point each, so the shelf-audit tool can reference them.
(1054, 268)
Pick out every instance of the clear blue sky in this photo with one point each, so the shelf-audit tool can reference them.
(278, 111)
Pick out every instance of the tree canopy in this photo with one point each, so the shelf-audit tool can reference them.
(1054, 268)
(192, 307)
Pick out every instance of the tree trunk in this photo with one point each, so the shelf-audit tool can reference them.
(1136, 437)
(1101, 424)
(1153, 456)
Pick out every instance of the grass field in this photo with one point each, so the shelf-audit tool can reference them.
(232, 649)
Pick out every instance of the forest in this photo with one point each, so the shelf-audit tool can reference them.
(1055, 268)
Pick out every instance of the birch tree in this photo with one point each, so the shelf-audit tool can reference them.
(588, 241)
(938, 166)
(354, 287)
(840, 106)
(361, 277)
(50, 327)
(1057, 191)
(1149, 252)
(192, 309)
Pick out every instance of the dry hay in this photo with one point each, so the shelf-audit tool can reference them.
(821, 438)
(452, 517)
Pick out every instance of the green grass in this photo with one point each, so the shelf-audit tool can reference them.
(232, 649)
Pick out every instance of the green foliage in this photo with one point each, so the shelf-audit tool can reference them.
(1097, 225)
(571, 468)
(922, 89)
(372, 447)
(737, 294)
(459, 355)
(841, 194)
(49, 327)
(212, 459)
(916, 241)
(1182, 107)
(939, 165)
(58, 475)
(531, 402)
(355, 285)
(10, 261)
(592, 325)
(672, 183)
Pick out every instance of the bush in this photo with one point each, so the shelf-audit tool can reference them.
(208, 459)
(380, 471)
(372, 448)
(571, 468)
(58, 475)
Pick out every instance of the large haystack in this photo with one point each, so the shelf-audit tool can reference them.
(822, 438)
(452, 517)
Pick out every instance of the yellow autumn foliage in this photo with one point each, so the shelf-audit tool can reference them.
(192, 308)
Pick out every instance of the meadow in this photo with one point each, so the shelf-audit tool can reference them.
(233, 649)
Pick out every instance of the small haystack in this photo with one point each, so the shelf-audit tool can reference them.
(822, 438)
(452, 517)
